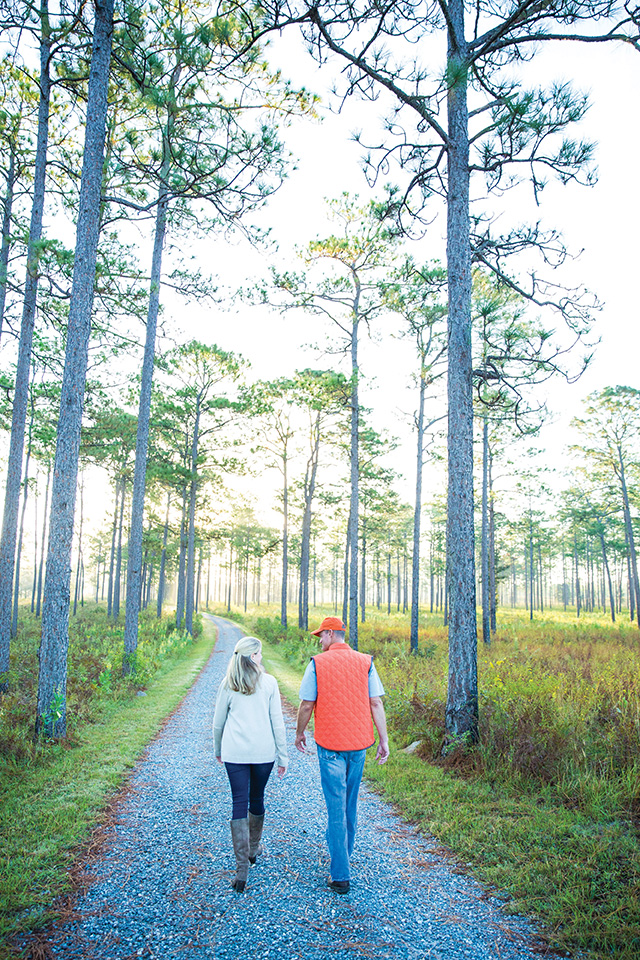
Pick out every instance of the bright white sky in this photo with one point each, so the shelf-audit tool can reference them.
(602, 222)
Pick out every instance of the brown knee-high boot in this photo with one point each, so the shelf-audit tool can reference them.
(255, 833)
(240, 837)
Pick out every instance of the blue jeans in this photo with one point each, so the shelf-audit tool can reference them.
(340, 776)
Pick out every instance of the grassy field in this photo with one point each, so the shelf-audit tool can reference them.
(546, 807)
(52, 794)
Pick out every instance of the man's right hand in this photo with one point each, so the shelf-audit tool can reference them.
(301, 743)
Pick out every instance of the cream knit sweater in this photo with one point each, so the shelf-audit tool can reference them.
(248, 728)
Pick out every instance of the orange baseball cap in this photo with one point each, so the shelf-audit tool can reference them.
(329, 623)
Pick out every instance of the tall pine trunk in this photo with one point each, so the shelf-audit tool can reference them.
(540, 579)
(607, 571)
(431, 576)
(198, 578)
(21, 390)
(532, 586)
(230, 577)
(305, 548)
(405, 580)
(486, 612)
(345, 576)
(117, 578)
(492, 551)
(43, 539)
(285, 543)
(112, 556)
(25, 497)
(417, 516)
(98, 563)
(355, 468)
(34, 583)
(134, 566)
(147, 595)
(191, 542)
(577, 574)
(460, 602)
(52, 680)
(163, 559)
(182, 561)
(632, 592)
(389, 582)
(634, 583)
(363, 571)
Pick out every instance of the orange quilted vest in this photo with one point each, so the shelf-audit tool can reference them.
(342, 712)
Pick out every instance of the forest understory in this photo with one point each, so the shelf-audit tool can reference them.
(545, 809)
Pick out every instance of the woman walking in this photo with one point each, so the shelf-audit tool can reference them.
(249, 736)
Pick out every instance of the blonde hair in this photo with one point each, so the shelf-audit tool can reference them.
(243, 673)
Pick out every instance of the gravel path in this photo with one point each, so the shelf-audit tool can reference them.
(161, 886)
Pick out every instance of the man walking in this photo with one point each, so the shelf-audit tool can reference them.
(344, 689)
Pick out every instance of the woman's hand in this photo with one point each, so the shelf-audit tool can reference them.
(281, 772)
(219, 759)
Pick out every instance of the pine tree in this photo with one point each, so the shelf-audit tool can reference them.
(51, 706)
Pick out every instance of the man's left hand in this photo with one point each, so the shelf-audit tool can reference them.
(304, 715)
(382, 753)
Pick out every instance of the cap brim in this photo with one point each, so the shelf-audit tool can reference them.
(316, 633)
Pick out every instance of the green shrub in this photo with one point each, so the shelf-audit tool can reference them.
(546, 806)
(94, 673)
(270, 629)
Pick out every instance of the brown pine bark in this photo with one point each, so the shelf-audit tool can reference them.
(462, 693)
(52, 680)
(21, 390)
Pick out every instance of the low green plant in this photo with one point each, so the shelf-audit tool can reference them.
(94, 674)
(546, 807)
(51, 795)
(53, 714)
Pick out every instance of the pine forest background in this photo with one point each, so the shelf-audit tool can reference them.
(289, 327)
(148, 468)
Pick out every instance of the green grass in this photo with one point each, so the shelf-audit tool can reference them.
(51, 799)
(578, 875)
(546, 808)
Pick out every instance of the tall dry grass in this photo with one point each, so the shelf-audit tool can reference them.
(559, 700)
(546, 807)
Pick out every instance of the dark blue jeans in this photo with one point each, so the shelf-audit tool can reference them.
(248, 781)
